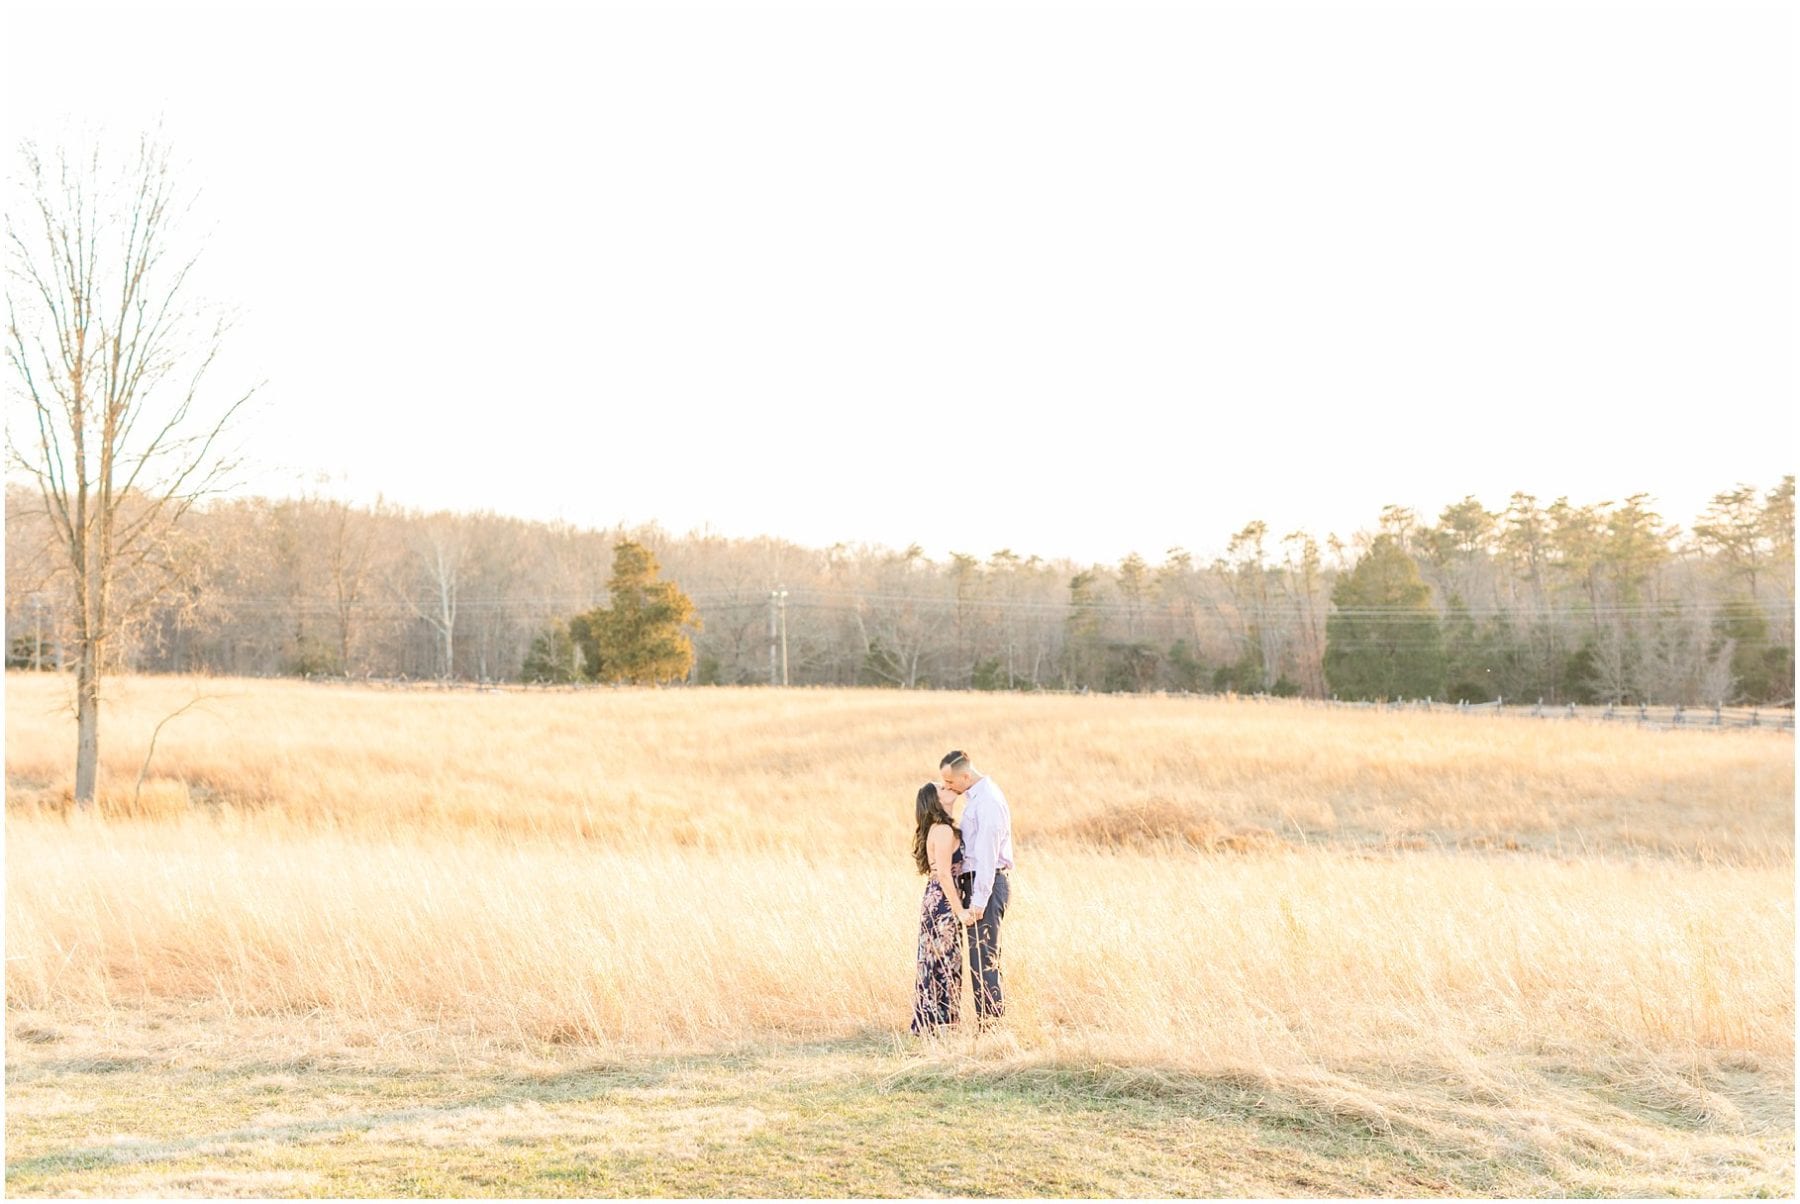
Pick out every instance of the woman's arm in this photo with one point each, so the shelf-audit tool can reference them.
(940, 842)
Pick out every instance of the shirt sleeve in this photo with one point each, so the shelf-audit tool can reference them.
(985, 850)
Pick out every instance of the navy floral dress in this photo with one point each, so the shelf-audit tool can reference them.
(937, 992)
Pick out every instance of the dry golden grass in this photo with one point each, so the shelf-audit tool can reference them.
(1283, 959)
(1563, 945)
(757, 769)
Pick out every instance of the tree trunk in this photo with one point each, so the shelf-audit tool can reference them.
(87, 725)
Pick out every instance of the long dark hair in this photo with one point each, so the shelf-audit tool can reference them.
(927, 811)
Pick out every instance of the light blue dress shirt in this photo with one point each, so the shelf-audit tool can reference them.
(987, 837)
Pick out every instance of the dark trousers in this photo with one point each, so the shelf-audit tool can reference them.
(984, 945)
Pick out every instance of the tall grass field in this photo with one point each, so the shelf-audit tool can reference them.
(327, 939)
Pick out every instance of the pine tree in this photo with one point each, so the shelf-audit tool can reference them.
(1185, 670)
(1383, 639)
(642, 637)
(1756, 668)
(1085, 651)
(1734, 532)
(1466, 656)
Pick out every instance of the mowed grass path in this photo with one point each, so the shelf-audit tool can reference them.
(860, 1117)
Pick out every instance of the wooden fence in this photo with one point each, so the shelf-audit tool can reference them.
(1676, 717)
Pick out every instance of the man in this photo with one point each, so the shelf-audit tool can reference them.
(987, 859)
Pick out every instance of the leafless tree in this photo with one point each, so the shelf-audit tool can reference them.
(107, 411)
(439, 551)
(1305, 585)
(899, 624)
(1249, 573)
(347, 552)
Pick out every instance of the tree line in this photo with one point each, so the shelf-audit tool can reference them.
(1569, 603)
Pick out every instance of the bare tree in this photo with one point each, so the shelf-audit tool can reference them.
(493, 572)
(1249, 574)
(348, 556)
(899, 624)
(1307, 588)
(30, 579)
(440, 551)
(109, 354)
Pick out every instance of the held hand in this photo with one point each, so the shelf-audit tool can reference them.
(973, 916)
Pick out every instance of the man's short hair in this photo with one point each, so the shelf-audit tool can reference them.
(955, 759)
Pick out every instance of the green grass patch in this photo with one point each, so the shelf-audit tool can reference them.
(859, 1118)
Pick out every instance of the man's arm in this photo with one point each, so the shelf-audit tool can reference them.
(986, 852)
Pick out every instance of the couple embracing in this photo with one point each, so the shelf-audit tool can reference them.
(966, 865)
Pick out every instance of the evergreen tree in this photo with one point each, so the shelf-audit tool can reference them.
(1736, 534)
(1130, 667)
(989, 674)
(1778, 526)
(1134, 588)
(1636, 542)
(1383, 639)
(1513, 659)
(1467, 656)
(584, 633)
(642, 637)
(554, 657)
(1585, 678)
(1185, 670)
(1244, 676)
(1085, 649)
(1778, 529)
(1760, 672)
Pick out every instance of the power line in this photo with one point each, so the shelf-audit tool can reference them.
(814, 599)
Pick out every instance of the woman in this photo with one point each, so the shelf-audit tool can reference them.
(937, 850)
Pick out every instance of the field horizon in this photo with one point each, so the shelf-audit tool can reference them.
(660, 942)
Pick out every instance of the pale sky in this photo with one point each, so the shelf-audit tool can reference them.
(1071, 281)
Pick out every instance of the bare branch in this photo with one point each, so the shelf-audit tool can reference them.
(143, 770)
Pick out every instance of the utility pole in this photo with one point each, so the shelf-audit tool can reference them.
(37, 624)
(782, 594)
(772, 650)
